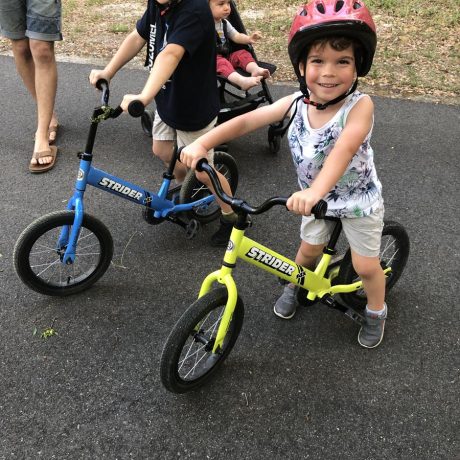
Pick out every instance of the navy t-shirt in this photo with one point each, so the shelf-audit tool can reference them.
(190, 100)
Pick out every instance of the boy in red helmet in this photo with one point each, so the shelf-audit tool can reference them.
(331, 43)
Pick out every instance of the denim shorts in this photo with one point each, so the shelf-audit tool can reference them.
(35, 19)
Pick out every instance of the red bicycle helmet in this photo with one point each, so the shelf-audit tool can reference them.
(323, 18)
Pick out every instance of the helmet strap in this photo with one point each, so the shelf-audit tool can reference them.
(318, 105)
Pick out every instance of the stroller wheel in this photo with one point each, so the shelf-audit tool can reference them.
(147, 122)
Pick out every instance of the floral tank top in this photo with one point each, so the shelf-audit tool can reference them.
(358, 192)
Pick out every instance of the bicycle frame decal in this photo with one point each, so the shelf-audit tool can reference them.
(122, 189)
(272, 262)
(113, 184)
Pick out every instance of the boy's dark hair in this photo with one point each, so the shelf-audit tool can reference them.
(338, 43)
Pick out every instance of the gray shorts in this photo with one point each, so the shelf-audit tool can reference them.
(163, 132)
(35, 19)
(364, 234)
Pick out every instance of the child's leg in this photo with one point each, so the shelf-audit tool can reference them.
(226, 69)
(313, 235)
(307, 255)
(243, 59)
(364, 235)
(219, 238)
(164, 138)
(373, 278)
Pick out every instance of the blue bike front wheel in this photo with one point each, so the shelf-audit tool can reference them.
(38, 254)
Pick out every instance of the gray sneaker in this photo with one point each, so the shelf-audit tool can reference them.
(371, 332)
(286, 305)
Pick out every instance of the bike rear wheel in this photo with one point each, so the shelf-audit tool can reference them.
(187, 361)
(193, 190)
(38, 255)
(394, 252)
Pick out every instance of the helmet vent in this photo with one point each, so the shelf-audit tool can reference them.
(357, 6)
(338, 5)
(320, 8)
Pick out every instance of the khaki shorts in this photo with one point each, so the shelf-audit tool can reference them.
(35, 19)
(163, 132)
(363, 233)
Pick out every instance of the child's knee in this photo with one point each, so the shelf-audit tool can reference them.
(367, 267)
(310, 250)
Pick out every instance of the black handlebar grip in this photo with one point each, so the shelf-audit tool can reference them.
(102, 84)
(320, 209)
(136, 108)
(199, 164)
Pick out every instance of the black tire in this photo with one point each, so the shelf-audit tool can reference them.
(193, 190)
(394, 253)
(54, 278)
(175, 367)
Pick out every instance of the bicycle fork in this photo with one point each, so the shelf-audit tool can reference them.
(224, 276)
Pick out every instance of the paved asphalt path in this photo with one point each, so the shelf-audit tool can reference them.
(299, 389)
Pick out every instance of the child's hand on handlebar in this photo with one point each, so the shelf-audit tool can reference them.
(302, 202)
(96, 75)
(129, 98)
(191, 154)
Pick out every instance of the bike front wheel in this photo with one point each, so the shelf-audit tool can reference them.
(193, 190)
(38, 254)
(394, 252)
(187, 361)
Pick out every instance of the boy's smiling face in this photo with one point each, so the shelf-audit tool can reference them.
(328, 73)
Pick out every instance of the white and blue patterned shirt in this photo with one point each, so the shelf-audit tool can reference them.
(358, 192)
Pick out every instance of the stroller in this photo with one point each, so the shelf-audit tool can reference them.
(233, 100)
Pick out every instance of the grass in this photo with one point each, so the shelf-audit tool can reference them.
(418, 53)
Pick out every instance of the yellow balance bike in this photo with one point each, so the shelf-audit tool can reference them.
(207, 331)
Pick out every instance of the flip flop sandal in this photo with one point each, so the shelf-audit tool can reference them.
(40, 168)
(52, 130)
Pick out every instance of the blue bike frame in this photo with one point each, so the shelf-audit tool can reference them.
(87, 174)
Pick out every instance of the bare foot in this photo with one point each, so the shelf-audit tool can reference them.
(261, 72)
(249, 82)
(52, 130)
(41, 145)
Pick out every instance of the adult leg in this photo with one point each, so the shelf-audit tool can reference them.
(24, 63)
(45, 92)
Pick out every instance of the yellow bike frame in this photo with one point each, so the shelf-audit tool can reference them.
(242, 247)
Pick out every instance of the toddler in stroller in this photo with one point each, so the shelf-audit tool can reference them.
(229, 58)
(235, 98)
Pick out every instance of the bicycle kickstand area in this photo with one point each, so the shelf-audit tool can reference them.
(330, 302)
(191, 226)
